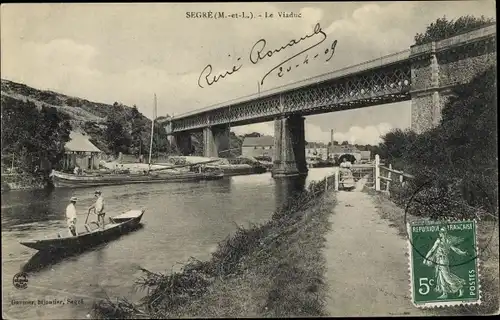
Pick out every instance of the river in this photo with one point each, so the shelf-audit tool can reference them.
(182, 220)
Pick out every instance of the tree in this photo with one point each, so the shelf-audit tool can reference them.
(443, 28)
(117, 136)
(469, 124)
(396, 143)
(54, 129)
(137, 127)
(462, 148)
(345, 143)
(32, 135)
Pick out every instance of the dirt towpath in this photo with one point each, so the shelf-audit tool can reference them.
(367, 261)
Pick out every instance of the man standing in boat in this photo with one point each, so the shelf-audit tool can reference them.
(98, 207)
(71, 216)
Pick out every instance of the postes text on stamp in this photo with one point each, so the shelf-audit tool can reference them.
(443, 263)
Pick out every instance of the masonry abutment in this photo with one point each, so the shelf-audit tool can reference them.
(289, 147)
(215, 141)
(182, 141)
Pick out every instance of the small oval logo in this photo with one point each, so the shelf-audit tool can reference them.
(20, 280)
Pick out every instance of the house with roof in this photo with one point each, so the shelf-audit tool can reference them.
(258, 146)
(336, 151)
(366, 156)
(315, 153)
(79, 151)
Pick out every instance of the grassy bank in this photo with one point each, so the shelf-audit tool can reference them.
(488, 254)
(270, 270)
(23, 182)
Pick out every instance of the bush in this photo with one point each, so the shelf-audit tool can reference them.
(458, 158)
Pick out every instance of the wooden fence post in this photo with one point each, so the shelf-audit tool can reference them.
(401, 178)
(326, 184)
(377, 172)
(388, 182)
(336, 179)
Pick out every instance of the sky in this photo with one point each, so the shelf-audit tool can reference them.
(129, 52)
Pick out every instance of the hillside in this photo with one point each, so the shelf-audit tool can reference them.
(86, 116)
(94, 118)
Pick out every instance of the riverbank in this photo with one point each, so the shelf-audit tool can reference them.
(367, 272)
(23, 182)
(489, 256)
(271, 270)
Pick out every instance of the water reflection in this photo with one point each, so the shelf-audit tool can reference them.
(42, 259)
(182, 220)
(218, 186)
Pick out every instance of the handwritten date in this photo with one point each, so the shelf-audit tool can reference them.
(260, 52)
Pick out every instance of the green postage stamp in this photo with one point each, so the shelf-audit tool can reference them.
(444, 268)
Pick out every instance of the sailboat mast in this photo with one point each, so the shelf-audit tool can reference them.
(152, 132)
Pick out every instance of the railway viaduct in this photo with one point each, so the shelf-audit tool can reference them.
(423, 74)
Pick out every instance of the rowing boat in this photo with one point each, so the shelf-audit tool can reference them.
(117, 226)
(65, 180)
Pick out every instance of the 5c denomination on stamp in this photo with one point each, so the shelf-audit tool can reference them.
(443, 263)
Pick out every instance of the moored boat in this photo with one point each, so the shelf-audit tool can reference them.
(66, 180)
(238, 169)
(117, 226)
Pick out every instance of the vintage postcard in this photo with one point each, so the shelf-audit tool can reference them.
(234, 160)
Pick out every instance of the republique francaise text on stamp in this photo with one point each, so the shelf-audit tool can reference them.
(444, 267)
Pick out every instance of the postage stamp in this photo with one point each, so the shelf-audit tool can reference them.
(444, 266)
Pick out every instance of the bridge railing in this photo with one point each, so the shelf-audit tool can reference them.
(330, 182)
(376, 174)
(383, 182)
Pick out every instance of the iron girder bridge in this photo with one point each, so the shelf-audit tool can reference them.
(375, 82)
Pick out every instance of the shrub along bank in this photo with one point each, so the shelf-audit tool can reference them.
(24, 181)
(429, 205)
(455, 166)
(270, 270)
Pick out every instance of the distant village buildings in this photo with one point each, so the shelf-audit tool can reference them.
(79, 151)
(337, 151)
(258, 146)
(264, 146)
(317, 153)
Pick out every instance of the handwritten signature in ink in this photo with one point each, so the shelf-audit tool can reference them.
(207, 72)
(259, 52)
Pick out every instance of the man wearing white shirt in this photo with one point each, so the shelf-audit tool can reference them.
(71, 216)
(98, 207)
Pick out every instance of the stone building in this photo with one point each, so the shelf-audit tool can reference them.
(258, 146)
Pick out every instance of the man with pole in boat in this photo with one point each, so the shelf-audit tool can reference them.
(98, 208)
(71, 216)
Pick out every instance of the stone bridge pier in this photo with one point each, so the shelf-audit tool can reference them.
(215, 140)
(182, 141)
(289, 147)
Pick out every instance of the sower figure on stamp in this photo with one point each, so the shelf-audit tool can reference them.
(71, 216)
(98, 208)
(446, 281)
